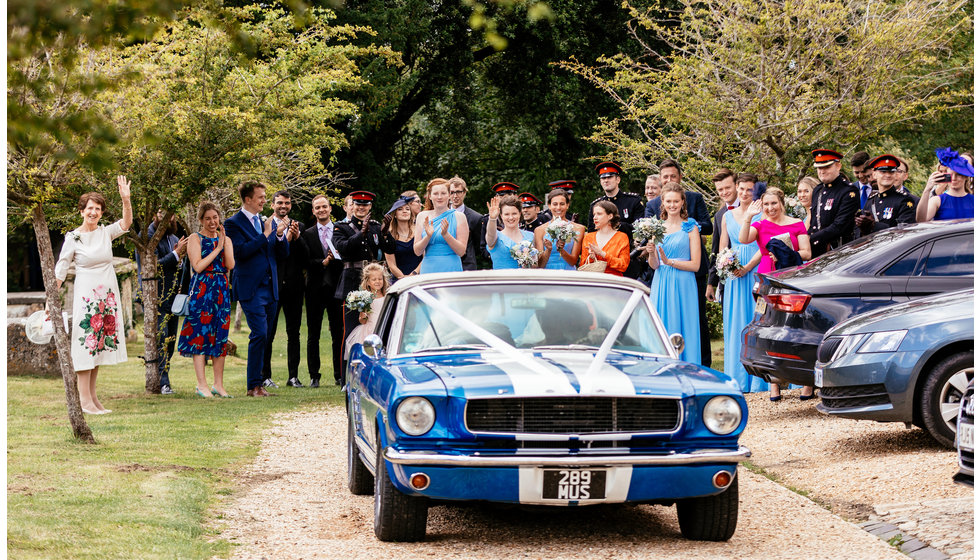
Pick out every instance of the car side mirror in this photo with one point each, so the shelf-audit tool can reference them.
(374, 348)
(677, 341)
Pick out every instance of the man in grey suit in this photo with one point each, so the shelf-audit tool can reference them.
(724, 181)
(457, 196)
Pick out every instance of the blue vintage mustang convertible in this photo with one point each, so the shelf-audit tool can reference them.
(537, 387)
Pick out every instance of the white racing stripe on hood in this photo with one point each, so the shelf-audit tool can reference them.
(605, 380)
(544, 380)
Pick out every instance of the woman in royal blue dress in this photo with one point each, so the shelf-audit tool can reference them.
(739, 304)
(674, 290)
(499, 243)
(205, 331)
(441, 233)
(551, 255)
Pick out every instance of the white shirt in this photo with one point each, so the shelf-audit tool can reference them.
(250, 215)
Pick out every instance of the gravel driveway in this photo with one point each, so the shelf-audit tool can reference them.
(294, 503)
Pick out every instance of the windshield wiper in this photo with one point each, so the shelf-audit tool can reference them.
(566, 347)
(453, 347)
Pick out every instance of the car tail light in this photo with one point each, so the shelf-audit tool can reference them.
(790, 303)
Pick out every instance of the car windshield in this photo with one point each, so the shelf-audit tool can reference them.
(574, 317)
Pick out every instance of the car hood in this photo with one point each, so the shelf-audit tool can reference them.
(564, 373)
(943, 307)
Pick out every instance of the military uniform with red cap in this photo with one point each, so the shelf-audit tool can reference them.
(629, 204)
(884, 208)
(528, 200)
(358, 242)
(502, 188)
(833, 206)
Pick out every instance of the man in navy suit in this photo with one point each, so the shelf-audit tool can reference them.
(254, 282)
(724, 181)
(670, 172)
(170, 252)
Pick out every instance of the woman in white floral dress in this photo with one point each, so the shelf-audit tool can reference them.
(97, 336)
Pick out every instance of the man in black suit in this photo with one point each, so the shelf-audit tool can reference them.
(323, 269)
(834, 205)
(724, 181)
(670, 172)
(170, 253)
(457, 198)
(359, 242)
(291, 283)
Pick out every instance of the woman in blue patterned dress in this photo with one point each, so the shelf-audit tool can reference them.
(674, 290)
(739, 304)
(205, 331)
(441, 232)
(560, 258)
(499, 244)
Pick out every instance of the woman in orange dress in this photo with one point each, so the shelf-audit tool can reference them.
(607, 243)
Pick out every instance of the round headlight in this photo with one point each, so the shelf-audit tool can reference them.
(415, 416)
(722, 415)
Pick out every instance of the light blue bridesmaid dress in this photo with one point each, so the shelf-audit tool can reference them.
(500, 254)
(674, 293)
(555, 261)
(738, 308)
(439, 256)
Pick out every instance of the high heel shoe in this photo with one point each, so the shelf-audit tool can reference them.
(808, 397)
(777, 398)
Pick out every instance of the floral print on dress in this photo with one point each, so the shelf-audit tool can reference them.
(99, 328)
(205, 329)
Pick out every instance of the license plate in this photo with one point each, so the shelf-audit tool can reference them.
(818, 377)
(574, 484)
(760, 305)
(965, 437)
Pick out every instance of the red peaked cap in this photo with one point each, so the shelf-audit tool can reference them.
(886, 161)
(528, 199)
(505, 187)
(566, 184)
(362, 197)
(608, 167)
(823, 157)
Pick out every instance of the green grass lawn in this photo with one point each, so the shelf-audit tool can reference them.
(155, 480)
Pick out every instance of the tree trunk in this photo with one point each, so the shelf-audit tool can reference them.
(151, 299)
(75, 417)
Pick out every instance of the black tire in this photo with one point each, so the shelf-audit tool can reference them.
(710, 518)
(397, 517)
(939, 402)
(359, 478)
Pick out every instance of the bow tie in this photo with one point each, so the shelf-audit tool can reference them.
(731, 207)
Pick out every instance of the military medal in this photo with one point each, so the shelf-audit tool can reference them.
(829, 204)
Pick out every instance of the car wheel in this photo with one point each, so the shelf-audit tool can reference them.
(397, 517)
(359, 478)
(941, 395)
(710, 518)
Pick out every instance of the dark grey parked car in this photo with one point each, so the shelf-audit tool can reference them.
(964, 439)
(910, 362)
(796, 306)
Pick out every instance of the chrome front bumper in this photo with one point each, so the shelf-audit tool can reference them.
(476, 460)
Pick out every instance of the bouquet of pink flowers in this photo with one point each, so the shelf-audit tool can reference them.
(794, 208)
(726, 263)
(525, 254)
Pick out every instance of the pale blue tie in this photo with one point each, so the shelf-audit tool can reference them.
(258, 226)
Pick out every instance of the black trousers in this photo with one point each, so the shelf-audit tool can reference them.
(167, 335)
(291, 304)
(318, 304)
(702, 280)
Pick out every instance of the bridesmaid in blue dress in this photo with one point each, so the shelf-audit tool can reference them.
(508, 208)
(739, 304)
(441, 233)
(674, 290)
(564, 258)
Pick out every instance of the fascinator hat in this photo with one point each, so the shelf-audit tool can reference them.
(402, 201)
(954, 161)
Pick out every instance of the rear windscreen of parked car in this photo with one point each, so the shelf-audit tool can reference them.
(527, 316)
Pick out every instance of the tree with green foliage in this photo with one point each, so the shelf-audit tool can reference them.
(756, 84)
(203, 116)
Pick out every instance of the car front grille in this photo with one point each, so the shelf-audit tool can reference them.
(575, 415)
(854, 396)
(827, 349)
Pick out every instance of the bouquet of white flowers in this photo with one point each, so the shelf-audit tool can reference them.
(561, 231)
(794, 208)
(726, 263)
(525, 254)
(647, 229)
(360, 300)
